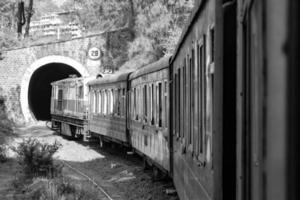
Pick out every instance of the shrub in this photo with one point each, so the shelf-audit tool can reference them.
(36, 159)
(59, 189)
(3, 157)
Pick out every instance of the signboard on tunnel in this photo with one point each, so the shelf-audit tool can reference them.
(94, 53)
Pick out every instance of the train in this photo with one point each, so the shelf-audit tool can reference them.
(219, 116)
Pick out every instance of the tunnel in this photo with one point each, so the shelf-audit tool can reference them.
(39, 91)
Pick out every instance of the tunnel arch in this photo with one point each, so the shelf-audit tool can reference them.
(65, 64)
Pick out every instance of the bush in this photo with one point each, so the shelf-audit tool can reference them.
(3, 157)
(36, 159)
(59, 189)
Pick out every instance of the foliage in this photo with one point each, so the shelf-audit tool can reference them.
(43, 7)
(3, 157)
(155, 24)
(162, 22)
(36, 158)
(6, 125)
(58, 188)
(99, 15)
(8, 20)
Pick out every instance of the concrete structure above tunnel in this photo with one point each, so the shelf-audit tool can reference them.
(18, 65)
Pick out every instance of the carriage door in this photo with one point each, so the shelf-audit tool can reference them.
(251, 107)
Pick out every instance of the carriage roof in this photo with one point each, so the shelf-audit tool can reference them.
(150, 68)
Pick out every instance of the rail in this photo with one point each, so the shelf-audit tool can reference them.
(89, 179)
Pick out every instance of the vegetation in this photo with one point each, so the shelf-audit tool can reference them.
(41, 178)
(155, 25)
(55, 189)
(3, 157)
(36, 159)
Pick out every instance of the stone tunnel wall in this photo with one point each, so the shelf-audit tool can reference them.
(14, 64)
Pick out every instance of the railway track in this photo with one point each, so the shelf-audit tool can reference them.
(107, 194)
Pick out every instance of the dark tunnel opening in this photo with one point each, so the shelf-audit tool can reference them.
(39, 91)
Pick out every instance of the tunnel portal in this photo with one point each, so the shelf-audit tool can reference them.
(39, 91)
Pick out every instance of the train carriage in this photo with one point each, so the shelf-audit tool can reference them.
(192, 77)
(220, 116)
(69, 106)
(149, 117)
(108, 114)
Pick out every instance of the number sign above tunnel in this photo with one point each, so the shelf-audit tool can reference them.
(94, 53)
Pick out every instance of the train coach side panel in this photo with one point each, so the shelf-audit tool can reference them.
(108, 111)
(192, 71)
(149, 103)
(112, 127)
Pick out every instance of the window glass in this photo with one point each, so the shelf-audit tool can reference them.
(80, 92)
(184, 92)
(111, 102)
(150, 102)
(99, 102)
(96, 101)
(145, 98)
(105, 103)
(60, 99)
(123, 102)
(153, 105)
(166, 104)
(212, 44)
(135, 104)
(159, 104)
(179, 106)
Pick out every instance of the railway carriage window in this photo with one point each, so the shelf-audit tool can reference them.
(111, 102)
(150, 102)
(80, 92)
(108, 101)
(184, 92)
(135, 104)
(203, 98)
(139, 103)
(99, 102)
(110, 105)
(175, 108)
(212, 44)
(102, 102)
(193, 95)
(197, 99)
(105, 103)
(191, 109)
(200, 93)
(178, 96)
(118, 102)
(123, 102)
(166, 104)
(116, 99)
(131, 109)
(96, 101)
(60, 99)
(159, 99)
(153, 105)
(145, 99)
(91, 100)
